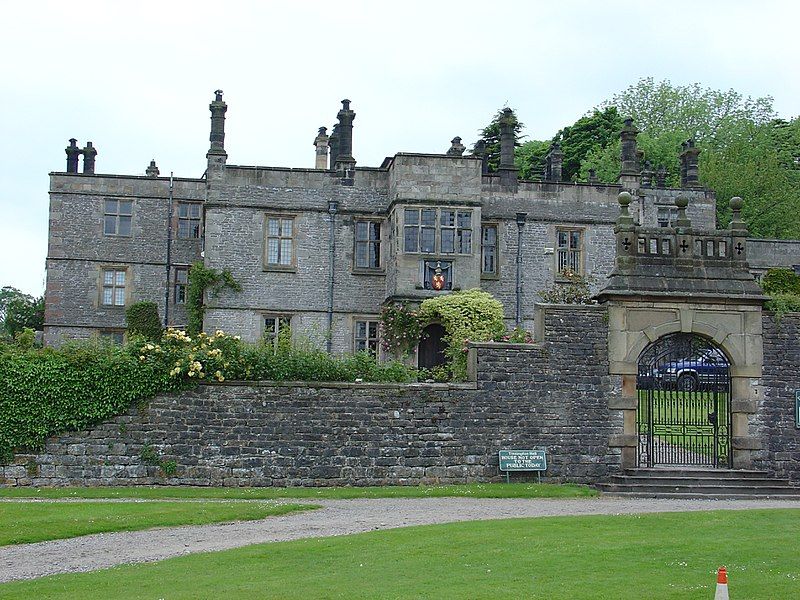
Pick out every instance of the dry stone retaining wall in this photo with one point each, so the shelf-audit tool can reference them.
(553, 394)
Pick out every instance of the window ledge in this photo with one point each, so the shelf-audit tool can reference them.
(490, 276)
(280, 268)
(379, 272)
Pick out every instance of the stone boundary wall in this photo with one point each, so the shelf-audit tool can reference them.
(774, 420)
(554, 394)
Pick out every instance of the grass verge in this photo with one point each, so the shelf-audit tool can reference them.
(669, 556)
(476, 490)
(38, 521)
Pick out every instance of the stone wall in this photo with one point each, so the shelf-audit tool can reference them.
(553, 394)
(774, 421)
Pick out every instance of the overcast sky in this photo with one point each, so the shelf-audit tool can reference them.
(135, 78)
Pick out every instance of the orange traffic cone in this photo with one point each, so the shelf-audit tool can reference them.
(722, 584)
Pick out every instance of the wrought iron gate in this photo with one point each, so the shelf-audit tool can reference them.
(684, 412)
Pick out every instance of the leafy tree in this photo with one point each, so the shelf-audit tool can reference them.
(703, 114)
(529, 158)
(745, 150)
(593, 131)
(8, 293)
(491, 136)
(21, 311)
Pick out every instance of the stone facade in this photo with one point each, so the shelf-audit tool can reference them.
(552, 394)
(324, 288)
(775, 419)
(79, 250)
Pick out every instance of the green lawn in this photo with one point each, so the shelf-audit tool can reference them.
(476, 490)
(24, 522)
(669, 556)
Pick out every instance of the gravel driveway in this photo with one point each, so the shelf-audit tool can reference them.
(337, 517)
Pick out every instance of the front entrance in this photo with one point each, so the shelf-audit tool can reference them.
(684, 403)
(431, 347)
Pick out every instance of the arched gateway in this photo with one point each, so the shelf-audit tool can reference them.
(684, 336)
(683, 413)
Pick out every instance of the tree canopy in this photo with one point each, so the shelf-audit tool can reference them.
(746, 150)
(491, 137)
(19, 310)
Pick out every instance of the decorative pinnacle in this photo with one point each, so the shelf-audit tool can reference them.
(218, 95)
(624, 200)
(681, 202)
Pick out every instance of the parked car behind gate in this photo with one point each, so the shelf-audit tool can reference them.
(706, 370)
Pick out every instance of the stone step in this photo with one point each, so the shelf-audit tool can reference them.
(697, 472)
(699, 481)
(739, 489)
(701, 496)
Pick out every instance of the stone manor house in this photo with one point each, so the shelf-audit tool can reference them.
(322, 249)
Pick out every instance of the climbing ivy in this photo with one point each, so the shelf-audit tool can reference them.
(467, 316)
(202, 278)
(142, 319)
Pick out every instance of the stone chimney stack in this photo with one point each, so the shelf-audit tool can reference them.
(661, 177)
(456, 147)
(628, 155)
(689, 171)
(345, 163)
(152, 169)
(555, 160)
(333, 143)
(480, 150)
(89, 152)
(73, 152)
(217, 137)
(647, 174)
(321, 144)
(216, 155)
(508, 173)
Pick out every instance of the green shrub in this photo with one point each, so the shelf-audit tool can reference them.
(781, 281)
(142, 319)
(467, 316)
(783, 303)
(45, 392)
(573, 289)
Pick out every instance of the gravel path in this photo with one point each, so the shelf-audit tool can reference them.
(337, 517)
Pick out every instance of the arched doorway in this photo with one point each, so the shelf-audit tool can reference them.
(431, 347)
(684, 403)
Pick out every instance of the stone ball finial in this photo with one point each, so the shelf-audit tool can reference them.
(736, 203)
(624, 199)
(681, 202)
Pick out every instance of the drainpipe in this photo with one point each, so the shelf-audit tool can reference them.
(169, 252)
(520, 225)
(333, 208)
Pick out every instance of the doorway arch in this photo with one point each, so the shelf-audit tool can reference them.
(431, 347)
(683, 413)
